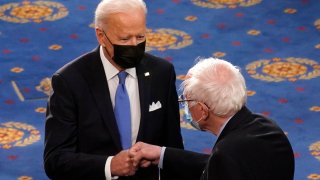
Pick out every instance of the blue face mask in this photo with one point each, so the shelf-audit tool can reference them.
(188, 118)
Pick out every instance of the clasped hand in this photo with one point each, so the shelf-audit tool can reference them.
(127, 162)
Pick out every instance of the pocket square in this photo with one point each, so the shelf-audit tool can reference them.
(154, 106)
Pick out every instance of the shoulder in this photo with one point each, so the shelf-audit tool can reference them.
(257, 134)
(80, 62)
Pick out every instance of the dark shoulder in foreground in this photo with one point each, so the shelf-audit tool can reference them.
(82, 61)
(254, 132)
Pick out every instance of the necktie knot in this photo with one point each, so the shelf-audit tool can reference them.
(122, 77)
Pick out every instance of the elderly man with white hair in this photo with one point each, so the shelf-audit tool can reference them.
(248, 147)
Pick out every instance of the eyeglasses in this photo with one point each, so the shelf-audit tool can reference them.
(186, 103)
(182, 98)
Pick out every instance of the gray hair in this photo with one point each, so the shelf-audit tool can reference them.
(107, 7)
(218, 84)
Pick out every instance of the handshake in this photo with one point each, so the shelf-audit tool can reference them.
(127, 162)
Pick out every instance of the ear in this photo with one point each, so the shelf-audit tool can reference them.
(99, 35)
(204, 110)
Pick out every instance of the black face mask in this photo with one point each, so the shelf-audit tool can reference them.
(127, 56)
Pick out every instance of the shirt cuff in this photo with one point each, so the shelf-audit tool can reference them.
(107, 169)
(160, 165)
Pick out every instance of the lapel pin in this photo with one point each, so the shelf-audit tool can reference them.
(147, 74)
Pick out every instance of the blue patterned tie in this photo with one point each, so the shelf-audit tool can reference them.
(122, 111)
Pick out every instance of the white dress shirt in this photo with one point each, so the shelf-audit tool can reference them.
(133, 92)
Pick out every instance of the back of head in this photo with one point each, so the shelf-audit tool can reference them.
(107, 7)
(218, 84)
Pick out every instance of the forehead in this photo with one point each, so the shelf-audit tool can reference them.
(127, 23)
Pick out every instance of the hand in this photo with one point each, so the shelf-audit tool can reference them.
(122, 165)
(144, 154)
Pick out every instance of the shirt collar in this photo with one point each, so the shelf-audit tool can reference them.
(223, 126)
(110, 70)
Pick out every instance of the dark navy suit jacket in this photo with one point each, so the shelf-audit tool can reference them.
(81, 130)
(250, 147)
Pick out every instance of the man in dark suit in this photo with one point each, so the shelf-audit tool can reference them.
(249, 146)
(83, 135)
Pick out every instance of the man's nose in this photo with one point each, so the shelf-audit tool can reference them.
(133, 41)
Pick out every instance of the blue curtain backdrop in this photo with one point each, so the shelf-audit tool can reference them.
(275, 43)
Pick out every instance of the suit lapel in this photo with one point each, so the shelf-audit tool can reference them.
(144, 79)
(96, 79)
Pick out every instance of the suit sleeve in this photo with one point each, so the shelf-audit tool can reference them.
(186, 164)
(61, 159)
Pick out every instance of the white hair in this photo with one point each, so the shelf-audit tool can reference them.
(218, 84)
(107, 7)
